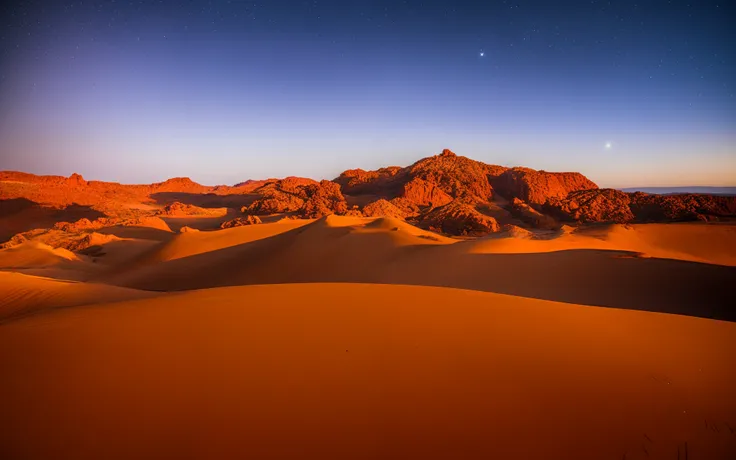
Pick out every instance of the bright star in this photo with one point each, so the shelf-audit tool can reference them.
(482, 54)
(608, 145)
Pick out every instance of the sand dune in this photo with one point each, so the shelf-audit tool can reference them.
(187, 244)
(22, 295)
(364, 371)
(581, 268)
(33, 255)
(711, 244)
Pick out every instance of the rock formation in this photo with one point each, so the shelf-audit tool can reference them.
(536, 187)
(447, 192)
(664, 208)
(381, 208)
(608, 205)
(458, 218)
(177, 209)
(241, 221)
(422, 193)
(323, 199)
(598, 205)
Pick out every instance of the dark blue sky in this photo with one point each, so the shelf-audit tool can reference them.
(222, 91)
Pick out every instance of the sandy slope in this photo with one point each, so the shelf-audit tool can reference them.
(601, 267)
(707, 243)
(187, 244)
(32, 255)
(22, 295)
(365, 371)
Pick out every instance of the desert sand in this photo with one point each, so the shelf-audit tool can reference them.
(190, 332)
(364, 371)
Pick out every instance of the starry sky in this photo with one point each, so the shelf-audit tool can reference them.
(629, 93)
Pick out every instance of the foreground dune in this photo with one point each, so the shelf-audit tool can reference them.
(364, 371)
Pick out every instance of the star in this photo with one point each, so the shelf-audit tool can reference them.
(482, 54)
(608, 145)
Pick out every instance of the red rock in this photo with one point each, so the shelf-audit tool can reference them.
(514, 231)
(186, 229)
(423, 193)
(241, 221)
(379, 182)
(323, 199)
(536, 187)
(383, 208)
(178, 209)
(458, 218)
(407, 207)
(87, 241)
(531, 216)
(458, 176)
(666, 208)
(76, 180)
(599, 205)
(180, 184)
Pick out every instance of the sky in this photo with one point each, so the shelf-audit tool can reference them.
(629, 93)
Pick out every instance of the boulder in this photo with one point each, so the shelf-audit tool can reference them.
(457, 218)
(241, 221)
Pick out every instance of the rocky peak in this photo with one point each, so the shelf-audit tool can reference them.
(76, 179)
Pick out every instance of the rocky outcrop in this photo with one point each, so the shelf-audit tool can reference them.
(76, 180)
(177, 209)
(179, 184)
(311, 201)
(531, 216)
(608, 205)
(323, 199)
(458, 176)
(431, 181)
(186, 229)
(80, 225)
(278, 197)
(87, 241)
(665, 208)
(241, 221)
(422, 193)
(514, 231)
(600, 205)
(458, 218)
(406, 206)
(383, 208)
(536, 187)
(359, 182)
(451, 193)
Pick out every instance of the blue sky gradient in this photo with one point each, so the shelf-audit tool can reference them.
(226, 91)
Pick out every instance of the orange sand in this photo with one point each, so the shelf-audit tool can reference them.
(364, 371)
(365, 358)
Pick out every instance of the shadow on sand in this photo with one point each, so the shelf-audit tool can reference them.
(615, 279)
(19, 215)
(208, 200)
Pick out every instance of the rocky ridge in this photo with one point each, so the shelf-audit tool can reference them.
(446, 193)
